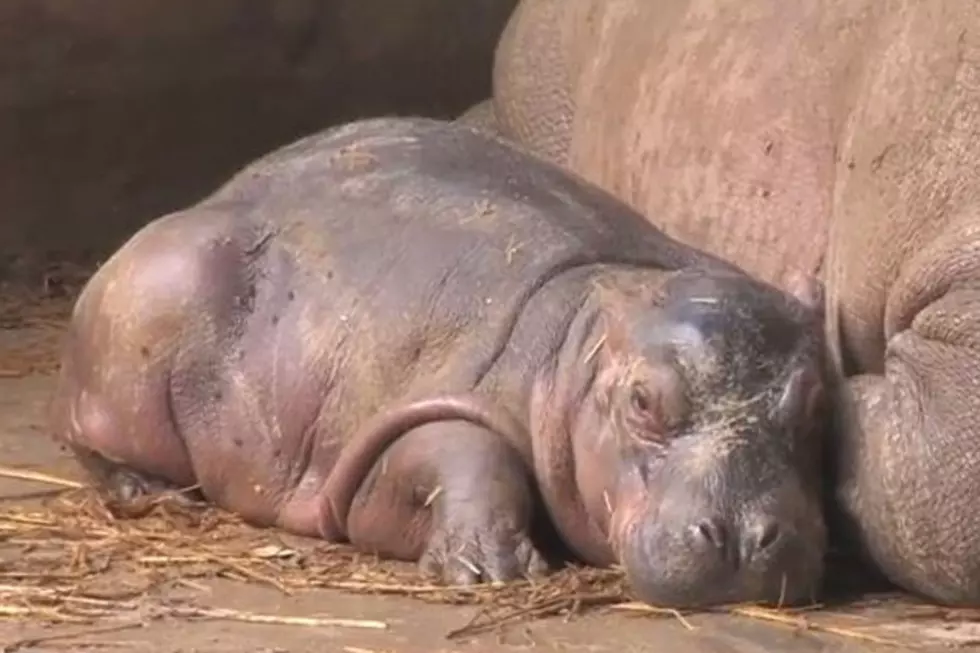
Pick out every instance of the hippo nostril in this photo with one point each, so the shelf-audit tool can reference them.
(712, 531)
(759, 539)
(770, 533)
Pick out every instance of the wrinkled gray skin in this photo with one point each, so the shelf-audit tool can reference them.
(835, 138)
(400, 332)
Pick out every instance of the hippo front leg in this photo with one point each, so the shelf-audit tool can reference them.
(454, 496)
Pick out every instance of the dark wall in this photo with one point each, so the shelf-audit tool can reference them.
(113, 112)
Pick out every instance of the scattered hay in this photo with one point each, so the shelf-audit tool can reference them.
(77, 560)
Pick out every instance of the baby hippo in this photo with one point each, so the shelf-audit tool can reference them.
(407, 335)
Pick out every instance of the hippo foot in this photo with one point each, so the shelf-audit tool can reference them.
(463, 553)
(454, 496)
(129, 492)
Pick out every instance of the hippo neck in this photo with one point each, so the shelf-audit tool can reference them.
(563, 413)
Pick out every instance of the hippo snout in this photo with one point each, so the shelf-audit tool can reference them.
(696, 558)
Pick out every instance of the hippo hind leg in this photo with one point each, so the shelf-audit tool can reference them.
(457, 498)
(125, 444)
(112, 404)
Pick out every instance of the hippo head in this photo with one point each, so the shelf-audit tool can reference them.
(707, 427)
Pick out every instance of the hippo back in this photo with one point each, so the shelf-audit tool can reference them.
(396, 257)
(363, 188)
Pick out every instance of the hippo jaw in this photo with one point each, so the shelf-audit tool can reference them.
(708, 436)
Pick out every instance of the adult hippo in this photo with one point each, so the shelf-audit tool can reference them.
(825, 137)
(399, 332)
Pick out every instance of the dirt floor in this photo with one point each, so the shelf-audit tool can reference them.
(74, 579)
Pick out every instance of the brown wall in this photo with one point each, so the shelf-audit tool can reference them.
(113, 112)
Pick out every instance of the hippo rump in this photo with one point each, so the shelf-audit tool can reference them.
(405, 334)
(835, 138)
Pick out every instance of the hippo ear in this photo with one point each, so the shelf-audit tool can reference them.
(807, 289)
(800, 396)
